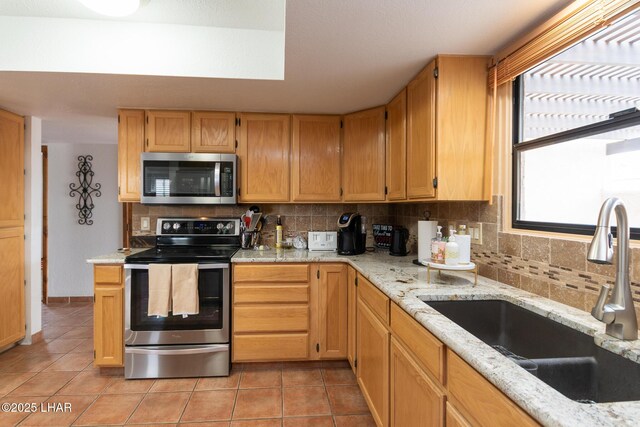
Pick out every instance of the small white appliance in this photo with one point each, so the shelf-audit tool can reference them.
(323, 240)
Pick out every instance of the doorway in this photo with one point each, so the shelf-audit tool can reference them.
(45, 227)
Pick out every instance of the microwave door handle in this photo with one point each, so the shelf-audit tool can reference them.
(216, 179)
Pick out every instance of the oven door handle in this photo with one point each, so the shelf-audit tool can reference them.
(177, 352)
(200, 266)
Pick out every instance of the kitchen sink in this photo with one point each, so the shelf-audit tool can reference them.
(566, 359)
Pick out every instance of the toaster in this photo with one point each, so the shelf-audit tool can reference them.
(323, 240)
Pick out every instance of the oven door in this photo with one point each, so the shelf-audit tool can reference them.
(210, 326)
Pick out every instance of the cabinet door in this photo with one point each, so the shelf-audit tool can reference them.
(315, 159)
(454, 418)
(12, 322)
(396, 133)
(11, 170)
(108, 315)
(130, 145)
(363, 160)
(421, 142)
(409, 384)
(332, 311)
(213, 132)
(373, 363)
(168, 131)
(263, 156)
(352, 295)
(460, 133)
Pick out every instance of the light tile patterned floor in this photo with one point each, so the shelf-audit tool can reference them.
(59, 370)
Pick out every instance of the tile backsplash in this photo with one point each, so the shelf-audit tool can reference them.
(296, 218)
(554, 268)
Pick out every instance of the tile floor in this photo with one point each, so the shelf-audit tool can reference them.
(59, 370)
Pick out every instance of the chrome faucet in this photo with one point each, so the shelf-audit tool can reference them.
(618, 313)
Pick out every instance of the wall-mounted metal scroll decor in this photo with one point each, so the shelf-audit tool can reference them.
(85, 190)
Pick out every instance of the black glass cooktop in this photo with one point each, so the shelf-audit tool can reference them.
(182, 254)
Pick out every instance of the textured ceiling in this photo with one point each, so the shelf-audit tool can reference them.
(340, 56)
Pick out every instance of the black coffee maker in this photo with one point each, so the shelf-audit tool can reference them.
(352, 234)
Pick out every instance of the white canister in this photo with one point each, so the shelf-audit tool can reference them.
(426, 233)
(464, 244)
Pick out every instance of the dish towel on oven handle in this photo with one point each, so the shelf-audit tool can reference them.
(159, 290)
(184, 278)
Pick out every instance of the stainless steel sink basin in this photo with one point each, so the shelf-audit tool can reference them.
(565, 359)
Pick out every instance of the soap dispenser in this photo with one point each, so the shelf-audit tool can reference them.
(452, 250)
(438, 247)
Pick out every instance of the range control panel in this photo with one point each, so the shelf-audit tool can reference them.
(198, 227)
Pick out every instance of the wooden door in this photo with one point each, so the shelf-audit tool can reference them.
(12, 323)
(168, 131)
(454, 418)
(315, 158)
(352, 295)
(363, 159)
(108, 315)
(332, 311)
(461, 127)
(263, 157)
(213, 132)
(44, 265)
(130, 146)
(373, 363)
(12, 317)
(396, 132)
(11, 170)
(410, 384)
(421, 135)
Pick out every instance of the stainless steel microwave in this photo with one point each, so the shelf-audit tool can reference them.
(188, 178)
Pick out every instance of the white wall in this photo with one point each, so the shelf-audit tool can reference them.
(70, 243)
(33, 226)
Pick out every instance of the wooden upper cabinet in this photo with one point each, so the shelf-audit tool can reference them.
(315, 158)
(11, 170)
(461, 126)
(263, 155)
(396, 133)
(363, 157)
(168, 131)
(213, 132)
(421, 143)
(130, 145)
(332, 311)
(446, 126)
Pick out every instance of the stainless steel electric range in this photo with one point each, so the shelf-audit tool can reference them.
(177, 346)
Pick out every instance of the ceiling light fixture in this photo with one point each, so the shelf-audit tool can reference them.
(113, 7)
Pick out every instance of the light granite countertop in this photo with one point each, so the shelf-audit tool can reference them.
(116, 257)
(405, 283)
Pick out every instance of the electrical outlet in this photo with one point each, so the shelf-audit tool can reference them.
(145, 223)
(475, 231)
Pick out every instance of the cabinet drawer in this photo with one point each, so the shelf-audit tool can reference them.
(482, 400)
(427, 348)
(279, 273)
(107, 274)
(270, 347)
(243, 294)
(271, 318)
(377, 301)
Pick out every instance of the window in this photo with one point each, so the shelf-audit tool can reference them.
(576, 135)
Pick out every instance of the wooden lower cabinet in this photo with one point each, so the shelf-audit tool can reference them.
(415, 400)
(454, 418)
(108, 323)
(12, 318)
(352, 302)
(487, 405)
(372, 338)
(289, 312)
